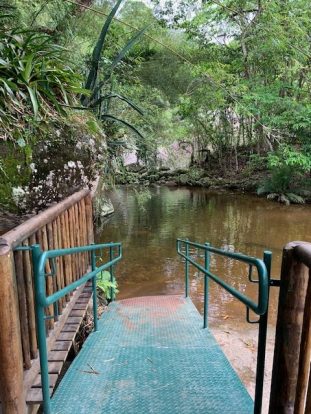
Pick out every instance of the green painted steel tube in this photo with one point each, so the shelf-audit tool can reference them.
(186, 271)
(259, 308)
(40, 317)
(262, 342)
(47, 301)
(206, 283)
(94, 285)
(111, 272)
(41, 300)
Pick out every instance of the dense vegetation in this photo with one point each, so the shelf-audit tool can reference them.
(81, 83)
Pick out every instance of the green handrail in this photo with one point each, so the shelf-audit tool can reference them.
(39, 258)
(260, 308)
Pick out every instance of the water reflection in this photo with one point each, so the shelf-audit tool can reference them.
(227, 220)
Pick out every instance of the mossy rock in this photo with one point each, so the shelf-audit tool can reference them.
(183, 179)
(205, 182)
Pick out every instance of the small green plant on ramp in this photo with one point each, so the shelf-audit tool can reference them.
(107, 286)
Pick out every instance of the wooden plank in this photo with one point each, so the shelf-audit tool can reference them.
(11, 357)
(53, 244)
(16, 236)
(57, 231)
(84, 232)
(66, 244)
(34, 395)
(73, 320)
(30, 375)
(85, 295)
(22, 301)
(49, 281)
(28, 277)
(71, 327)
(55, 367)
(65, 336)
(83, 302)
(57, 356)
(77, 240)
(80, 306)
(72, 244)
(89, 219)
(78, 312)
(81, 241)
(52, 377)
(62, 346)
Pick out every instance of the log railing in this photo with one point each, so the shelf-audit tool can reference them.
(66, 224)
(291, 376)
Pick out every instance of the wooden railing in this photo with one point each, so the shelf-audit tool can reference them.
(67, 224)
(291, 376)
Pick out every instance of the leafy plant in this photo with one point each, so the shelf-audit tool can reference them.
(288, 167)
(142, 197)
(99, 80)
(107, 287)
(35, 83)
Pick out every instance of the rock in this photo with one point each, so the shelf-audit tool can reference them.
(180, 171)
(153, 177)
(136, 168)
(171, 183)
(106, 208)
(205, 182)
(165, 174)
(183, 179)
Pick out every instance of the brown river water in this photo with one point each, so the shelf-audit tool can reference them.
(149, 226)
(148, 229)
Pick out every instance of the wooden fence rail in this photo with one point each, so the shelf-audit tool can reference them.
(67, 224)
(291, 377)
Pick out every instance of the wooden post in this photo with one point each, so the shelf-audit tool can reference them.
(288, 387)
(305, 356)
(11, 357)
(89, 219)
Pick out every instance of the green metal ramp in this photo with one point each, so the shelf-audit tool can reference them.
(151, 355)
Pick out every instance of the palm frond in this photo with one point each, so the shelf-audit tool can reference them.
(121, 121)
(118, 96)
(92, 77)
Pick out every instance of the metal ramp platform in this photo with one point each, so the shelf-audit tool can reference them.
(151, 355)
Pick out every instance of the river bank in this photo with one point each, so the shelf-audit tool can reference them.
(259, 182)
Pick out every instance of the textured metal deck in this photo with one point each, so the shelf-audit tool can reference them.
(151, 355)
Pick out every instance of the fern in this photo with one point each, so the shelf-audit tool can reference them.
(108, 287)
(295, 198)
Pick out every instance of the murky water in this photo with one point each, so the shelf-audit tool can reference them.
(149, 227)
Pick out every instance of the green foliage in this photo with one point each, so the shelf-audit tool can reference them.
(287, 156)
(142, 197)
(35, 83)
(105, 286)
(288, 168)
(233, 80)
(99, 81)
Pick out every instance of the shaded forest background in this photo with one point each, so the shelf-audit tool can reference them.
(230, 80)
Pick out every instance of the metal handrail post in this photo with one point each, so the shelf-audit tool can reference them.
(262, 342)
(187, 271)
(206, 285)
(111, 273)
(40, 315)
(94, 285)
